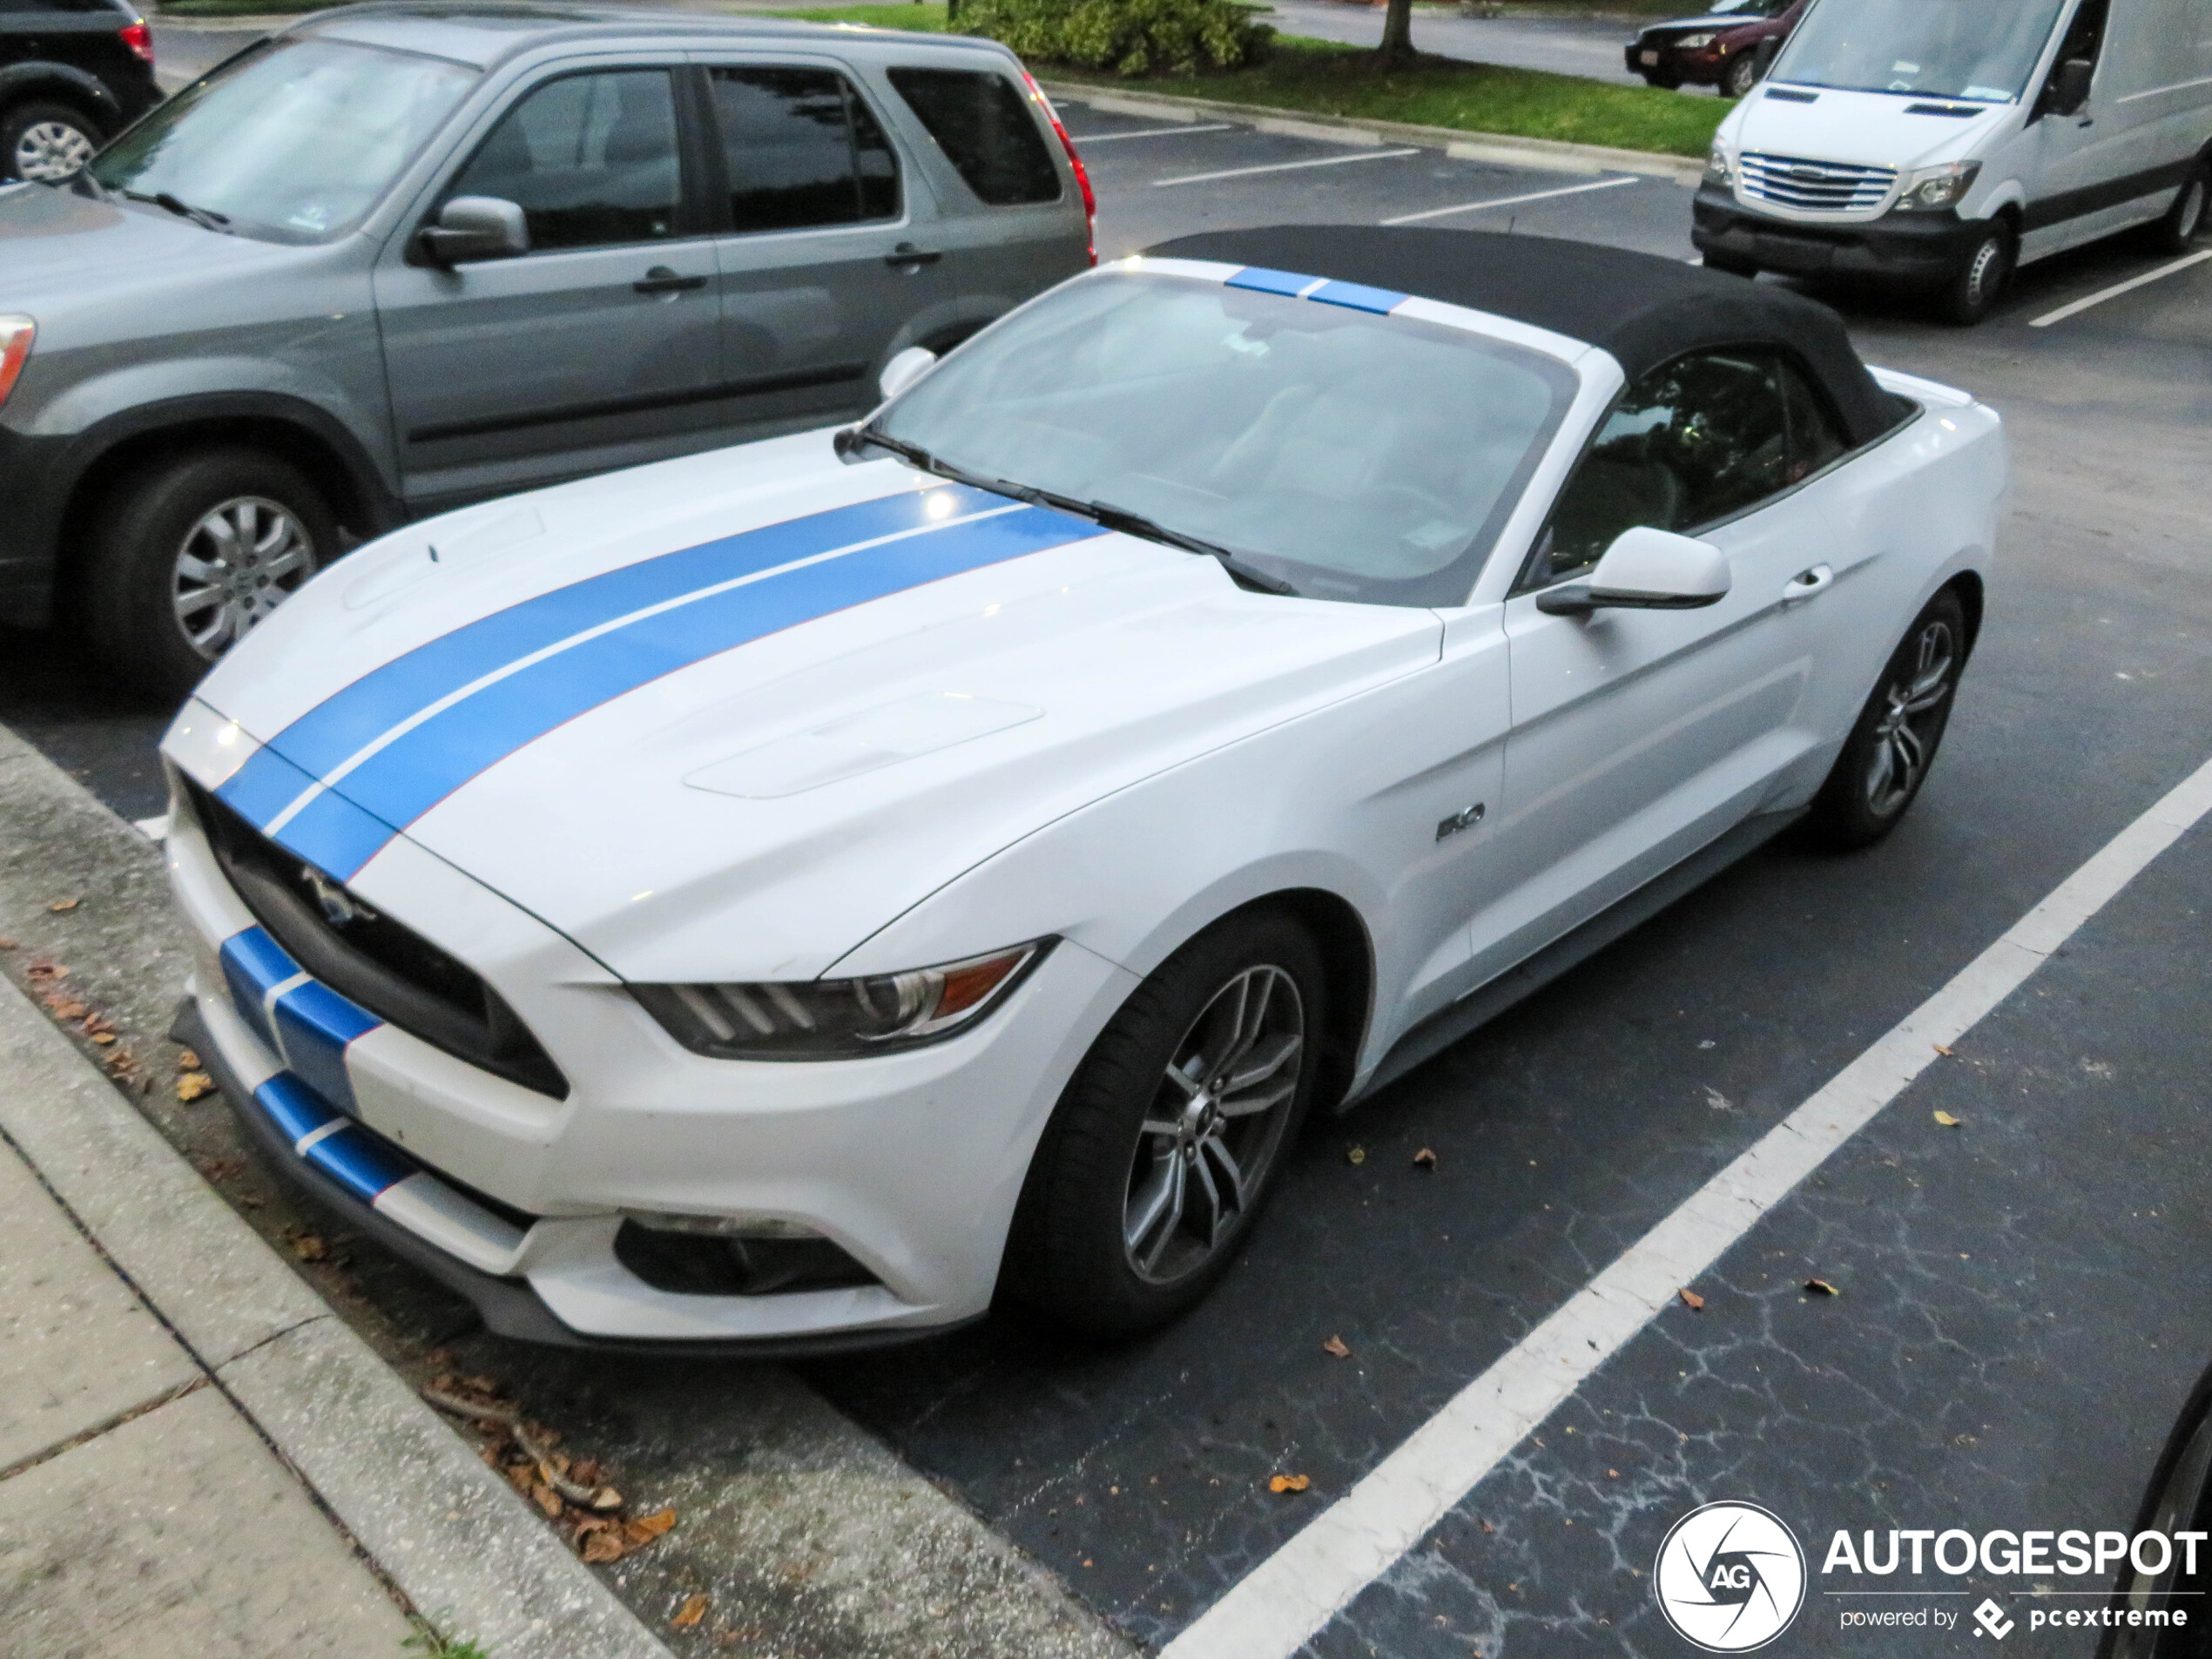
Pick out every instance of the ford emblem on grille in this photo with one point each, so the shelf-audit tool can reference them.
(339, 906)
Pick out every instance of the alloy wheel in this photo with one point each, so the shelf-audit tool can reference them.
(1215, 1125)
(51, 150)
(238, 562)
(1905, 735)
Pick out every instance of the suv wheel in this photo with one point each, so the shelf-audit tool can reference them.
(46, 141)
(190, 555)
(1171, 1132)
(1741, 75)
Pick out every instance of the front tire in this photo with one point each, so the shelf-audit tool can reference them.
(1741, 75)
(2173, 233)
(42, 141)
(1968, 297)
(1887, 756)
(189, 556)
(1168, 1140)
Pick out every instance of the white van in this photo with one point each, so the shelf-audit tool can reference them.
(1942, 142)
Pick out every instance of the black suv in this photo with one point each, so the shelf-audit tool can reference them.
(71, 71)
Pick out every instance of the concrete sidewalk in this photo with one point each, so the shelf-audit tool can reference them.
(141, 1512)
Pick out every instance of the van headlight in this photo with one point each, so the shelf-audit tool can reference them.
(1719, 170)
(838, 1019)
(1932, 189)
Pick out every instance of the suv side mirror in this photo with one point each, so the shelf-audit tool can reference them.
(1645, 569)
(2070, 86)
(475, 227)
(903, 370)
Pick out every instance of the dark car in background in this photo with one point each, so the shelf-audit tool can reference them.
(71, 73)
(1719, 48)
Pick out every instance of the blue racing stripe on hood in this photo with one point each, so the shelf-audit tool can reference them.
(341, 827)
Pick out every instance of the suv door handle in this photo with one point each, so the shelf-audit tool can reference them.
(661, 279)
(908, 254)
(1805, 584)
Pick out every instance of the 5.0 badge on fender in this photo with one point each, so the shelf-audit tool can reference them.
(1729, 1577)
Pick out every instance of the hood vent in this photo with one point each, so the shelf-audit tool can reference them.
(1792, 98)
(1957, 111)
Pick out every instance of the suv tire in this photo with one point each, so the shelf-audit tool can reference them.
(189, 555)
(42, 140)
(1893, 744)
(1741, 75)
(1240, 1009)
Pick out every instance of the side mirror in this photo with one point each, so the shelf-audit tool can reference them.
(904, 369)
(2070, 86)
(470, 228)
(1645, 569)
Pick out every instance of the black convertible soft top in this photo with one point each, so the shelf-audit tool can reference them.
(1644, 309)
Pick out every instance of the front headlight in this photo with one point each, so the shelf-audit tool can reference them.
(1719, 170)
(1932, 189)
(838, 1019)
(16, 334)
(1695, 42)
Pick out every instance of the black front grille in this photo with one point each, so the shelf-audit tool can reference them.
(393, 972)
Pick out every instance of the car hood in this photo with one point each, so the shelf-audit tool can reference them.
(59, 248)
(1870, 129)
(724, 718)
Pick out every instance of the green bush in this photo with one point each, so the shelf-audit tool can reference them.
(1127, 37)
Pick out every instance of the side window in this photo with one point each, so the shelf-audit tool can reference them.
(985, 129)
(591, 160)
(1815, 439)
(1701, 437)
(801, 151)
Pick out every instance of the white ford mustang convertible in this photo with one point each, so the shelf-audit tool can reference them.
(782, 899)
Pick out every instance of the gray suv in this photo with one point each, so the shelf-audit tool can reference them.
(406, 256)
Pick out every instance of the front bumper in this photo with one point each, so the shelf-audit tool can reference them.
(910, 1163)
(1909, 249)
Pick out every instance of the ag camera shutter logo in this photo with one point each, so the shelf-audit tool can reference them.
(1730, 1577)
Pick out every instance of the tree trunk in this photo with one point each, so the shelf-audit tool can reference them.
(1397, 34)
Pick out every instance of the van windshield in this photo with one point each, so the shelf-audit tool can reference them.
(292, 141)
(1983, 49)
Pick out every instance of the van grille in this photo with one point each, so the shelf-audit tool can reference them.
(392, 971)
(1816, 186)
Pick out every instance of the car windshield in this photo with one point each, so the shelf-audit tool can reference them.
(1983, 49)
(1353, 455)
(1746, 8)
(293, 141)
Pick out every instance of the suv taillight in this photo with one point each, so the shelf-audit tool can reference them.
(15, 346)
(1082, 174)
(139, 39)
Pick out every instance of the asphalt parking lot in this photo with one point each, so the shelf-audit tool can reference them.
(2023, 1304)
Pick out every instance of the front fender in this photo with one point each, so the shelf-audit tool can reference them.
(40, 75)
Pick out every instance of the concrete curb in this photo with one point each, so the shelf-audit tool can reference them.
(1548, 154)
(454, 1538)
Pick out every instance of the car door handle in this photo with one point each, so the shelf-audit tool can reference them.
(908, 254)
(1805, 584)
(661, 279)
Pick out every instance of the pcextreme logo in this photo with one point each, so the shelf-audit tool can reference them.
(1730, 1577)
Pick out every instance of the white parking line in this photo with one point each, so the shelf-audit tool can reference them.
(1282, 166)
(2119, 288)
(1148, 132)
(1272, 1612)
(1510, 202)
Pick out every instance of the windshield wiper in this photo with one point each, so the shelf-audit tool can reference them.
(207, 218)
(1105, 515)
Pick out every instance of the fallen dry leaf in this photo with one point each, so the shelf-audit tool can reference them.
(1691, 1300)
(67, 1007)
(1821, 1287)
(1355, 1155)
(6, 943)
(187, 1059)
(1945, 1052)
(1290, 1483)
(601, 1548)
(546, 1499)
(104, 1038)
(1424, 1159)
(692, 1612)
(1946, 1120)
(309, 1247)
(1335, 1347)
(1613, 1474)
(193, 1084)
(45, 970)
(62, 906)
(644, 1529)
(606, 1498)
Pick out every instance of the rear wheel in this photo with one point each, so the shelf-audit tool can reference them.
(190, 555)
(1886, 758)
(2173, 233)
(1169, 1136)
(42, 141)
(1966, 299)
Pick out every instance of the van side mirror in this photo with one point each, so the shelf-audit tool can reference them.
(470, 228)
(1645, 569)
(2070, 86)
(904, 369)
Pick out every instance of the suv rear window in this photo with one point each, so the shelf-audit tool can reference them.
(980, 121)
